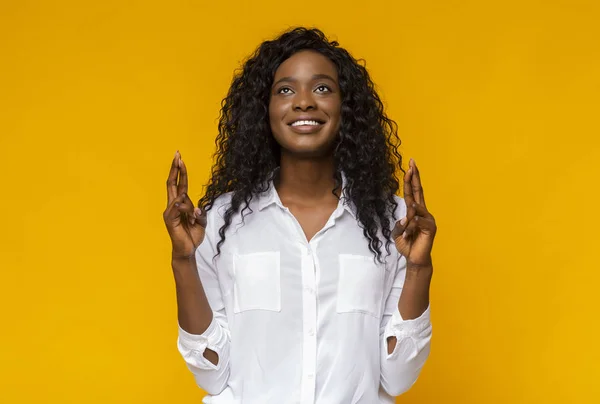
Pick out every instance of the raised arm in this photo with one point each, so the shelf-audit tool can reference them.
(406, 322)
(203, 339)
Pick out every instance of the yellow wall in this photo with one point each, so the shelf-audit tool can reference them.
(498, 102)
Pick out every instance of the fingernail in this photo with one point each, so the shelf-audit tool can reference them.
(403, 221)
(192, 220)
(404, 235)
(177, 204)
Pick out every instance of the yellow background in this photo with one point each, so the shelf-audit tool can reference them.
(497, 101)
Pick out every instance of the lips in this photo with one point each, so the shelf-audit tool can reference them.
(306, 124)
(305, 119)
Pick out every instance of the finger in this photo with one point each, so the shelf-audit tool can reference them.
(186, 206)
(181, 206)
(417, 187)
(419, 225)
(173, 210)
(426, 225)
(411, 229)
(192, 214)
(408, 192)
(172, 179)
(201, 217)
(398, 228)
(421, 210)
(183, 178)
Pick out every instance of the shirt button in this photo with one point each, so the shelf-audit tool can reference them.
(311, 332)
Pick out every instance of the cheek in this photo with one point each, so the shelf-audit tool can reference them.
(334, 110)
(336, 116)
(333, 105)
(271, 111)
(276, 112)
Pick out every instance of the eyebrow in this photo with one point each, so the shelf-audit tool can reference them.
(314, 77)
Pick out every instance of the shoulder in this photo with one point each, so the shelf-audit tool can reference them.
(216, 213)
(222, 203)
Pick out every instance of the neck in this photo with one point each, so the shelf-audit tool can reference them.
(305, 180)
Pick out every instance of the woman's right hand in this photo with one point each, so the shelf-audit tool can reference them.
(185, 223)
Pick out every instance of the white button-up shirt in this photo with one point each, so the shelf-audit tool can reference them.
(298, 321)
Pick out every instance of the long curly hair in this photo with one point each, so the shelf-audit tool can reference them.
(366, 148)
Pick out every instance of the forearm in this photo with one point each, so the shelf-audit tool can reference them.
(407, 335)
(414, 298)
(193, 309)
(415, 293)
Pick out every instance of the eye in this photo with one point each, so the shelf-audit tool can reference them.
(323, 89)
(284, 90)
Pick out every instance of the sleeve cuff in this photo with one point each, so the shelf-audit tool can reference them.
(415, 329)
(192, 346)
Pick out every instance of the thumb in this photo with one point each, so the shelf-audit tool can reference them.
(200, 216)
(399, 228)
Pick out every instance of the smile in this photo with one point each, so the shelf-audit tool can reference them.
(306, 126)
(302, 123)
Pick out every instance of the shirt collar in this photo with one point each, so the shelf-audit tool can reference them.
(271, 196)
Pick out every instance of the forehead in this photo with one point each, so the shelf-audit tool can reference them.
(305, 64)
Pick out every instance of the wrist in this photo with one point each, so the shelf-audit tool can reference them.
(419, 274)
(423, 269)
(183, 262)
(181, 256)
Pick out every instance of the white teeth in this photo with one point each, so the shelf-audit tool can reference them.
(298, 123)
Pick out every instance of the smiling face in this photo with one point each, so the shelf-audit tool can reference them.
(305, 105)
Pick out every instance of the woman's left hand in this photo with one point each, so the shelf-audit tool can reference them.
(414, 234)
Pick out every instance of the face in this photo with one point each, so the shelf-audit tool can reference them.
(305, 105)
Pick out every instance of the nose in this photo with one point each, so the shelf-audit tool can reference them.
(304, 101)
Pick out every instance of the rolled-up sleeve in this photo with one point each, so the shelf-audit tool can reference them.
(400, 368)
(210, 377)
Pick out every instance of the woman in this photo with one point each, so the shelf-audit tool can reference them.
(303, 278)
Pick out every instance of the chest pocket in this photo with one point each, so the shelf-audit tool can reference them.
(257, 282)
(360, 285)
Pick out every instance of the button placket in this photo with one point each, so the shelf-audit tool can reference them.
(309, 321)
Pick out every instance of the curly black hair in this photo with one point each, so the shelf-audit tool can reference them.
(366, 148)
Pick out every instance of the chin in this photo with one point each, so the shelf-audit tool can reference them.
(318, 144)
(309, 154)
(309, 150)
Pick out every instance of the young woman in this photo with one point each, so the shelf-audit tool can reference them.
(302, 277)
